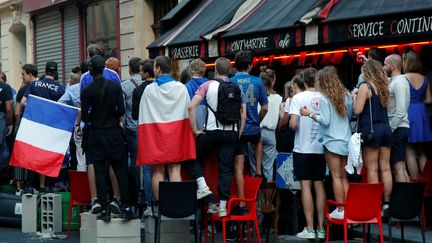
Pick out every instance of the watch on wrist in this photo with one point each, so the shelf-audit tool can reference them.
(311, 115)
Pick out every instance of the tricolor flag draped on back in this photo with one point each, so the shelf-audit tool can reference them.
(164, 132)
(43, 136)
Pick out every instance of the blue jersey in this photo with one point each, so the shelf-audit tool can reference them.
(254, 92)
(46, 88)
(107, 73)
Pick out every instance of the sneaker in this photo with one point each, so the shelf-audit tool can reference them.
(321, 234)
(212, 208)
(384, 211)
(203, 192)
(336, 214)
(95, 207)
(231, 236)
(28, 191)
(237, 210)
(105, 216)
(148, 212)
(306, 234)
(127, 214)
(155, 210)
(222, 212)
(114, 206)
(19, 192)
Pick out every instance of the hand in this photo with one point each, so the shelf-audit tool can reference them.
(304, 111)
(10, 129)
(363, 57)
(198, 132)
(78, 131)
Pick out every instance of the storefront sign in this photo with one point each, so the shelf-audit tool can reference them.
(271, 41)
(185, 52)
(381, 28)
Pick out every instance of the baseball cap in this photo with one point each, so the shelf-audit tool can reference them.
(51, 66)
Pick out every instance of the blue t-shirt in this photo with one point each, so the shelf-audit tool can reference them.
(46, 88)
(107, 73)
(254, 92)
(201, 111)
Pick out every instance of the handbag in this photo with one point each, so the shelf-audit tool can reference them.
(367, 137)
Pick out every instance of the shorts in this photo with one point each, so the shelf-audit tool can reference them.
(400, 139)
(244, 140)
(382, 135)
(309, 167)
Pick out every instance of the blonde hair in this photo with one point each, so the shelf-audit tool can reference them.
(374, 73)
(197, 67)
(330, 86)
(411, 63)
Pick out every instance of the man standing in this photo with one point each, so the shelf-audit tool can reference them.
(6, 114)
(398, 115)
(308, 157)
(253, 89)
(102, 106)
(216, 134)
(49, 89)
(131, 125)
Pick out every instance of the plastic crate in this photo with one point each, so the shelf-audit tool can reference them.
(65, 211)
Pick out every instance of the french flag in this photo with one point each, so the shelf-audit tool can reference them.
(164, 132)
(43, 136)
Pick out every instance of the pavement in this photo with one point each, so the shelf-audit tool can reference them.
(412, 234)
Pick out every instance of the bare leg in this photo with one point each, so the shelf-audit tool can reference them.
(258, 157)
(345, 181)
(319, 202)
(158, 176)
(411, 158)
(384, 167)
(334, 163)
(422, 157)
(308, 203)
(92, 181)
(370, 158)
(174, 172)
(238, 175)
(114, 183)
(399, 172)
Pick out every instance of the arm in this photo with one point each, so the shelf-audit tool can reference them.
(360, 99)
(9, 116)
(428, 96)
(401, 106)
(263, 111)
(284, 117)
(84, 114)
(242, 119)
(193, 104)
(120, 110)
(294, 112)
(135, 103)
(293, 121)
(324, 117)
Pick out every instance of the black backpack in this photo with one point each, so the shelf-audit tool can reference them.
(229, 103)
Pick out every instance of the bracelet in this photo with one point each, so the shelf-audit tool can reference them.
(77, 125)
(311, 115)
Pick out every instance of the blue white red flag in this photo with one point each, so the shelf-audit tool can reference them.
(43, 136)
(164, 132)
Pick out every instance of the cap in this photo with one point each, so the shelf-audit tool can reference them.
(97, 62)
(51, 66)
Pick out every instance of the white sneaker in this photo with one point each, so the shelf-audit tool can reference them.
(222, 212)
(306, 234)
(148, 212)
(321, 234)
(336, 214)
(212, 208)
(201, 193)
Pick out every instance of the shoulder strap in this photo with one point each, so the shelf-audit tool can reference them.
(134, 82)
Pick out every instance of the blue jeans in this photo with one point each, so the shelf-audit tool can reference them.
(131, 143)
(147, 183)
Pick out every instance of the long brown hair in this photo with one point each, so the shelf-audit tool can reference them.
(374, 73)
(268, 76)
(330, 86)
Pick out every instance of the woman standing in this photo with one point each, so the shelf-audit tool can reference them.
(269, 123)
(418, 116)
(370, 104)
(335, 113)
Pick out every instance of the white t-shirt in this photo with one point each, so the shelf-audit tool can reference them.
(272, 117)
(307, 134)
(209, 91)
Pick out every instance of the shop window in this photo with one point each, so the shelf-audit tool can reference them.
(160, 8)
(101, 26)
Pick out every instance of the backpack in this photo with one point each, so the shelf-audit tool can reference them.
(229, 103)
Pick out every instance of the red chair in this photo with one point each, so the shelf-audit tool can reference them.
(252, 186)
(427, 179)
(362, 206)
(79, 192)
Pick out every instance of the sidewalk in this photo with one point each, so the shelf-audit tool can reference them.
(412, 234)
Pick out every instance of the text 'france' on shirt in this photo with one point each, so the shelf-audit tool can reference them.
(46, 88)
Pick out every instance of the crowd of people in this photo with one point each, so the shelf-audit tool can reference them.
(153, 126)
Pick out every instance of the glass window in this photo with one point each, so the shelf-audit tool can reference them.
(101, 26)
